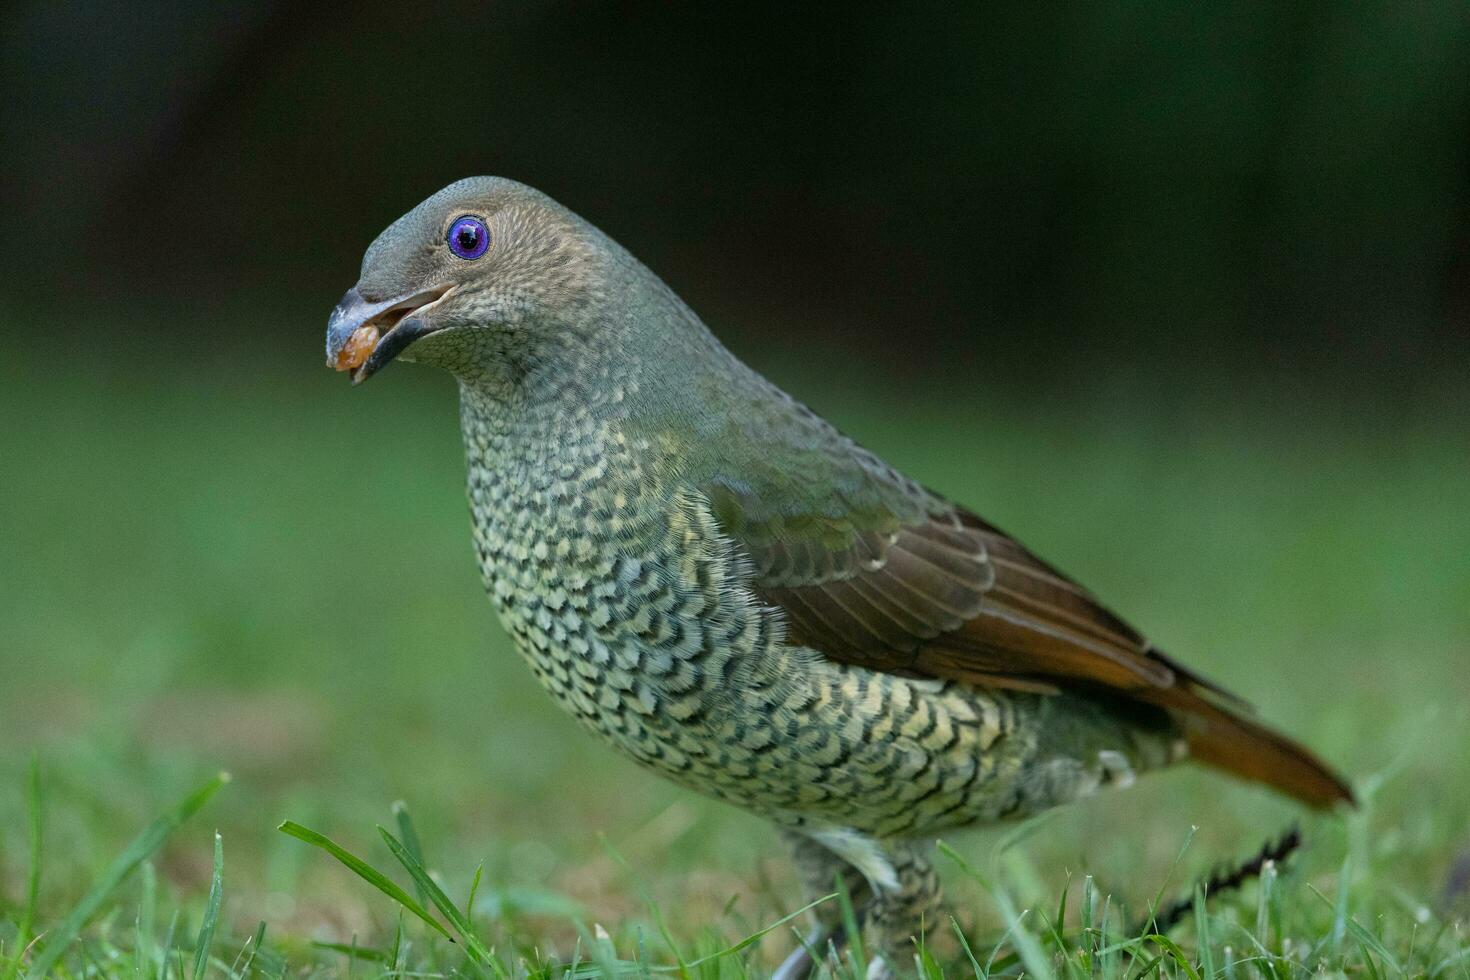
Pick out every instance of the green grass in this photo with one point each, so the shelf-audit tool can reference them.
(213, 563)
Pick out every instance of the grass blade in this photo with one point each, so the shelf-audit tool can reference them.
(211, 912)
(365, 953)
(447, 908)
(469, 903)
(142, 848)
(1173, 952)
(1028, 947)
(1202, 933)
(654, 911)
(252, 947)
(855, 950)
(144, 952)
(33, 874)
(759, 934)
(365, 871)
(965, 946)
(168, 945)
(410, 838)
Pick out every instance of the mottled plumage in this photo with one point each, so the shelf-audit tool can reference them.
(715, 581)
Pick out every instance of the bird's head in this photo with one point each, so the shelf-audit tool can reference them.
(470, 276)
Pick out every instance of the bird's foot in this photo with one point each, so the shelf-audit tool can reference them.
(797, 966)
(803, 959)
(802, 963)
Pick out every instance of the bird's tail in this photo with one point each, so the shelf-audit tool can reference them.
(1226, 738)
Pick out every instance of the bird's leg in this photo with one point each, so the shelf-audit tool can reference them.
(894, 889)
(820, 869)
(900, 913)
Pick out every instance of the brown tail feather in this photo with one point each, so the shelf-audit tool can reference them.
(1230, 741)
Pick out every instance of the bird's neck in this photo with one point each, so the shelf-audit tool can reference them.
(647, 365)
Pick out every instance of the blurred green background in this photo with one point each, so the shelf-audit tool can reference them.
(1178, 293)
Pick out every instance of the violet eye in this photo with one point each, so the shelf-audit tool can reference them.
(468, 237)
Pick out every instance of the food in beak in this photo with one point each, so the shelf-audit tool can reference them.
(358, 347)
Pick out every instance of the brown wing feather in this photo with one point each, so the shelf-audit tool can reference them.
(936, 599)
(955, 597)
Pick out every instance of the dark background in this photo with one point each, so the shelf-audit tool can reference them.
(997, 191)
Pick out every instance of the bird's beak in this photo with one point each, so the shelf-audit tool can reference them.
(399, 320)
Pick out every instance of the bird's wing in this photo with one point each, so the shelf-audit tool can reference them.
(935, 591)
(885, 575)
